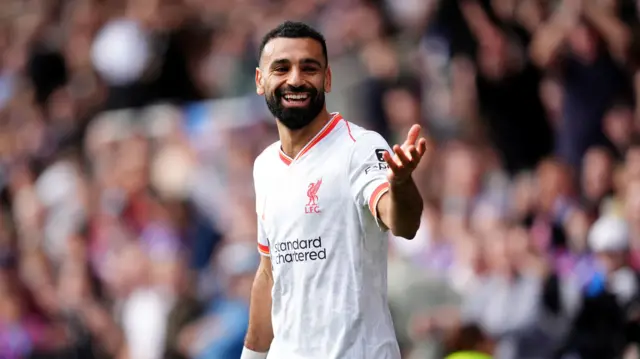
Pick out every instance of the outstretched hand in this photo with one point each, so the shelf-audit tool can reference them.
(406, 157)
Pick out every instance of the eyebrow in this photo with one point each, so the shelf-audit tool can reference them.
(306, 61)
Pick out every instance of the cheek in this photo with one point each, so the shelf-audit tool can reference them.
(270, 84)
(269, 91)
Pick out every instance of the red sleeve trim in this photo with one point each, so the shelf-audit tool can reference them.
(375, 197)
(263, 249)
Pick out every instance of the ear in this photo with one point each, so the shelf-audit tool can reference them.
(259, 87)
(327, 80)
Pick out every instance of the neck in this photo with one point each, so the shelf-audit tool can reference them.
(292, 141)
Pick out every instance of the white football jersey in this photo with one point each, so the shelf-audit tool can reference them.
(317, 221)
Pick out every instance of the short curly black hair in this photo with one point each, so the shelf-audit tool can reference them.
(294, 30)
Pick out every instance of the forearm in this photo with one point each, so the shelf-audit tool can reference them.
(403, 209)
(547, 42)
(614, 31)
(260, 331)
(101, 325)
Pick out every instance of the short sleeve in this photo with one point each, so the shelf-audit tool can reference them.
(263, 241)
(368, 171)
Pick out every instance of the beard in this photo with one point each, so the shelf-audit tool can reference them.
(297, 117)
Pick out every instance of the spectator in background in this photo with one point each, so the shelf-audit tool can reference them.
(143, 55)
(506, 305)
(592, 69)
(508, 82)
(618, 126)
(220, 333)
(469, 342)
(92, 332)
(596, 179)
(606, 323)
(22, 332)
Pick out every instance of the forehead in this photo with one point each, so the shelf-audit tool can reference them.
(293, 50)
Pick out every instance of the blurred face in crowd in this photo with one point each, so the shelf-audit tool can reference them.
(632, 202)
(132, 161)
(523, 195)
(497, 251)
(552, 94)
(402, 108)
(169, 273)
(596, 174)
(128, 268)
(293, 76)
(462, 172)
(618, 126)
(157, 14)
(553, 183)
(380, 60)
(583, 43)
(499, 55)
(469, 253)
(517, 243)
(577, 228)
(632, 163)
(504, 8)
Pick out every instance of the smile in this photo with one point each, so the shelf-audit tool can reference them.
(296, 96)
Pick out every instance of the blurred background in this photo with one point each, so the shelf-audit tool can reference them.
(128, 130)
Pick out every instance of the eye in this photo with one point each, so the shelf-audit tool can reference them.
(310, 69)
(281, 69)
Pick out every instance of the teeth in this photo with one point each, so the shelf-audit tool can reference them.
(296, 97)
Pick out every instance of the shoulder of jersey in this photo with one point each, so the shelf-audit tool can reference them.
(270, 154)
(358, 132)
(267, 156)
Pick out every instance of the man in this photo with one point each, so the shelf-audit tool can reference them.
(325, 194)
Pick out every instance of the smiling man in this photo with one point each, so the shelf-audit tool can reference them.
(325, 195)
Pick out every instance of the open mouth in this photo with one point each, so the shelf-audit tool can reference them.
(296, 99)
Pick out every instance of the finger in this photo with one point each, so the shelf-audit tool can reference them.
(422, 146)
(414, 132)
(415, 155)
(403, 156)
(393, 166)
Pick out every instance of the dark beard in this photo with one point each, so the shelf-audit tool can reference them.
(295, 118)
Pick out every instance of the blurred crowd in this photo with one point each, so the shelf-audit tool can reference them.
(128, 130)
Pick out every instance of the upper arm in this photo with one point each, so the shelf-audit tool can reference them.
(263, 240)
(368, 171)
(265, 268)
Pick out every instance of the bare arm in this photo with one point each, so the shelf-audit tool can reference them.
(615, 33)
(529, 14)
(102, 326)
(400, 209)
(260, 331)
(477, 20)
(550, 37)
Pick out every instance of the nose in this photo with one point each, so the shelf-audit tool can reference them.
(295, 78)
